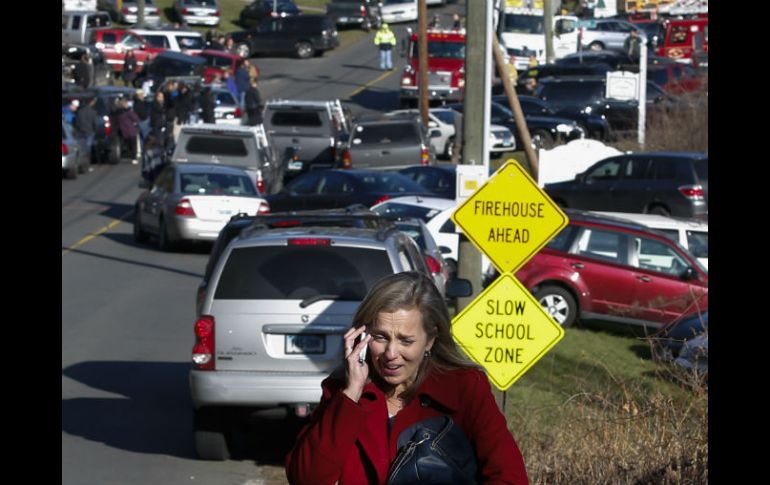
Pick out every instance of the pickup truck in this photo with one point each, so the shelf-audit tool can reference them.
(76, 26)
(305, 134)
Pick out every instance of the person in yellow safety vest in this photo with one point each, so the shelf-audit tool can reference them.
(385, 40)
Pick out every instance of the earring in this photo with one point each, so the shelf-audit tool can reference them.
(427, 353)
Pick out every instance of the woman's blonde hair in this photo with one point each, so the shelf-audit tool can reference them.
(413, 290)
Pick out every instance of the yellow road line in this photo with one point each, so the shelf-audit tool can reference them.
(96, 234)
(370, 83)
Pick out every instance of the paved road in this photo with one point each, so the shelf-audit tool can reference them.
(128, 312)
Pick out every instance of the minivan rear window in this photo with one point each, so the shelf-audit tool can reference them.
(299, 272)
(388, 133)
(209, 145)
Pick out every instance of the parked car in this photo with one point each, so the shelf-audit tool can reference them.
(593, 125)
(217, 62)
(606, 269)
(665, 183)
(76, 26)
(73, 161)
(271, 322)
(228, 109)
(328, 189)
(388, 143)
(114, 43)
(197, 12)
(393, 11)
(304, 36)
(677, 78)
(692, 234)
(545, 131)
(365, 13)
(600, 34)
(437, 266)
(253, 13)
(127, 11)
(439, 179)
(172, 64)
(192, 202)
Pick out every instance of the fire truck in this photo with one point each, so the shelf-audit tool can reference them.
(446, 67)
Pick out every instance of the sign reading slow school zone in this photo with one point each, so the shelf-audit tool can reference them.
(509, 218)
(505, 330)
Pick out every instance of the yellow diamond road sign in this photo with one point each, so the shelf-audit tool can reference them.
(505, 330)
(509, 218)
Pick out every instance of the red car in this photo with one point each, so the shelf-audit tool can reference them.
(217, 62)
(604, 268)
(676, 78)
(113, 44)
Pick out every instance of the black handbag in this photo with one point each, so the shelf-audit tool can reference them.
(433, 452)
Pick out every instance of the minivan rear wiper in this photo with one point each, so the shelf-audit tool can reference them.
(309, 301)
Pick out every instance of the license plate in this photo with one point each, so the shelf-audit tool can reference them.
(295, 165)
(304, 344)
(343, 19)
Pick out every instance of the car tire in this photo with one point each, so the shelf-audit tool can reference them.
(164, 242)
(116, 149)
(449, 148)
(304, 50)
(210, 434)
(559, 303)
(659, 210)
(596, 46)
(243, 50)
(139, 235)
(542, 139)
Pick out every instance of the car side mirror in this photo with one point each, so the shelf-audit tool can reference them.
(458, 288)
(444, 250)
(435, 133)
(689, 274)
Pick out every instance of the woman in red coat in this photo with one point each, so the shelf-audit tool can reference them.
(413, 372)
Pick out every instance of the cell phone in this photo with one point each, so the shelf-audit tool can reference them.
(362, 354)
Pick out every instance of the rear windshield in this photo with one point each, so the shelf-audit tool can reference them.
(216, 184)
(389, 133)
(572, 92)
(296, 118)
(189, 41)
(702, 169)
(406, 210)
(299, 272)
(210, 145)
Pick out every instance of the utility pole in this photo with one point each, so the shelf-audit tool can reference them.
(548, 29)
(140, 14)
(476, 100)
(642, 121)
(422, 74)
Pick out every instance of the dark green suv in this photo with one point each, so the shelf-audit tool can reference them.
(302, 35)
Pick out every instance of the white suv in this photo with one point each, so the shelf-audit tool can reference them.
(273, 313)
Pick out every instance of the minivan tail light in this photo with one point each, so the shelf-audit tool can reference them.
(260, 183)
(184, 208)
(309, 241)
(424, 156)
(64, 149)
(216, 14)
(692, 192)
(381, 199)
(203, 349)
(363, 11)
(433, 265)
(346, 162)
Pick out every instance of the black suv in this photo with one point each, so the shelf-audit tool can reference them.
(302, 35)
(573, 95)
(666, 183)
(365, 13)
(258, 10)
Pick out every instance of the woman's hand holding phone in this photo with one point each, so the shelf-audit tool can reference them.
(356, 343)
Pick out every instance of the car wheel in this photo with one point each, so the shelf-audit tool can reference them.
(559, 303)
(115, 151)
(210, 434)
(304, 50)
(243, 50)
(542, 139)
(449, 148)
(596, 46)
(164, 242)
(139, 235)
(659, 210)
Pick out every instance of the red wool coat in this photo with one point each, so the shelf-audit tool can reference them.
(349, 443)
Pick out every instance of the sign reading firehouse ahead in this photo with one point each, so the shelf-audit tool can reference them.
(509, 218)
(505, 330)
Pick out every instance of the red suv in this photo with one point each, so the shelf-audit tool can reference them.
(610, 269)
(113, 43)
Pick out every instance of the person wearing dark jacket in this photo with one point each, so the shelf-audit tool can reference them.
(207, 104)
(184, 104)
(158, 118)
(253, 102)
(86, 124)
(128, 128)
(129, 68)
(82, 73)
(242, 80)
(412, 373)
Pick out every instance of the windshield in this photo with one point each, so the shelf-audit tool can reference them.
(442, 50)
(522, 24)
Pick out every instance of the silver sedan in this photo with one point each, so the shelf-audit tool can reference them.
(192, 202)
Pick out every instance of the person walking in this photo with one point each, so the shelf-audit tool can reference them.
(129, 68)
(242, 80)
(82, 73)
(207, 104)
(253, 103)
(632, 44)
(158, 118)
(86, 124)
(385, 39)
(128, 128)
